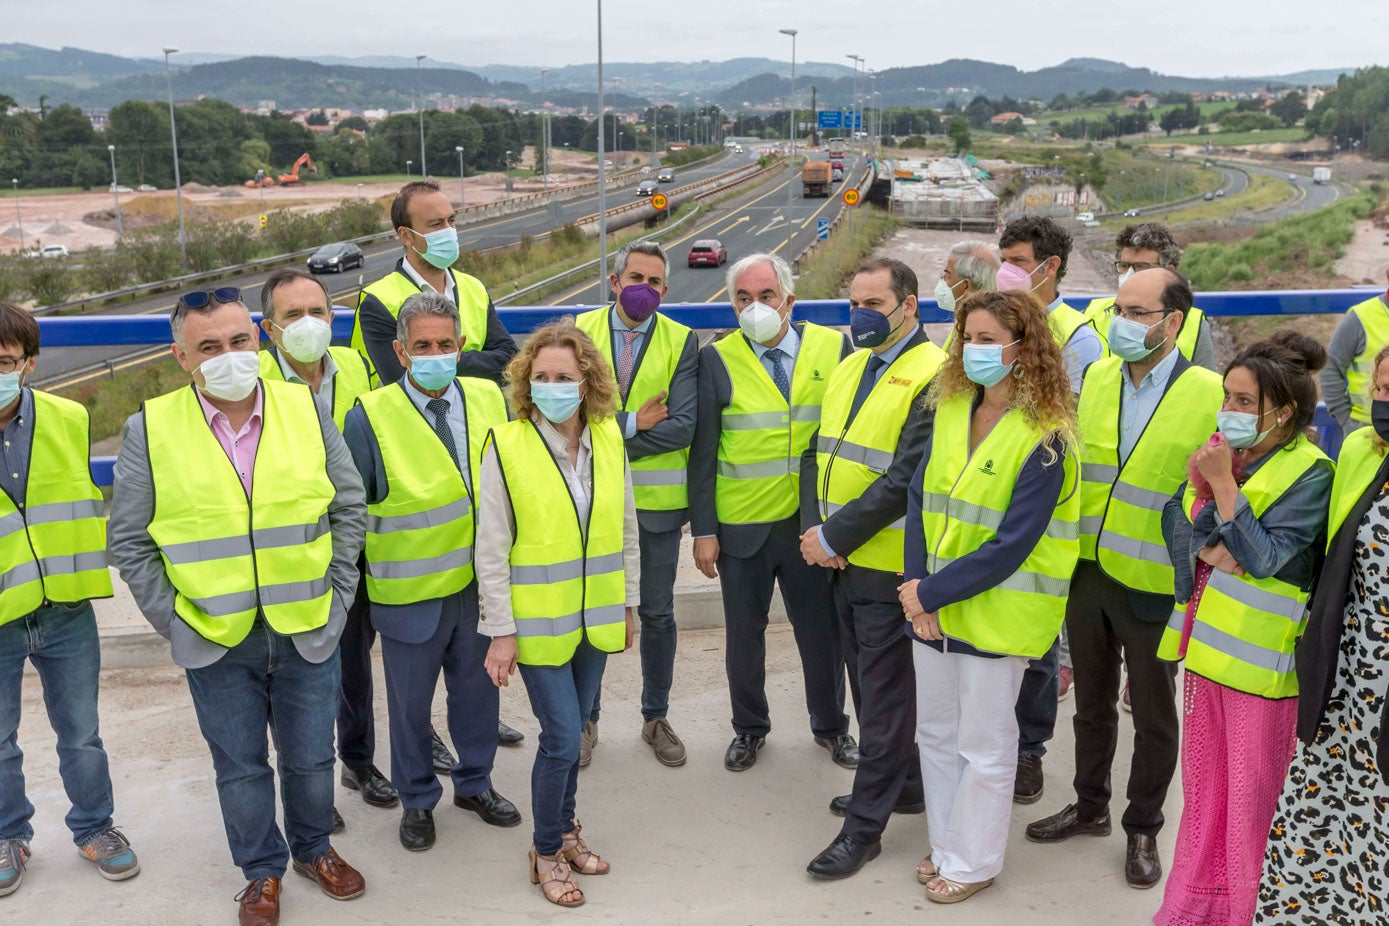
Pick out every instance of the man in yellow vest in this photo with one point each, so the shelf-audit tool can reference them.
(53, 560)
(1143, 247)
(873, 432)
(1348, 376)
(760, 390)
(1143, 412)
(247, 566)
(422, 217)
(417, 444)
(655, 360)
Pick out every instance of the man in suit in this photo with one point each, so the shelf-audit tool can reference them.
(654, 360)
(417, 444)
(873, 432)
(760, 390)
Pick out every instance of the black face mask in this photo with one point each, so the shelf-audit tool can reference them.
(1379, 417)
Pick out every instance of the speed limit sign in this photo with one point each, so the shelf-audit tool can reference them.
(659, 201)
(851, 197)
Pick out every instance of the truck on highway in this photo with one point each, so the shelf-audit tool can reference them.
(834, 147)
(815, 179)
(1321, 175)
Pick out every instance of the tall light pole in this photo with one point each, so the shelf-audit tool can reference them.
(115, 190)
(602, 176)
(419, 94)
(407, 168)
(544, 134)
(17, 217)
(857, 61)
(459, 149)
(178, 181)
(791, 124)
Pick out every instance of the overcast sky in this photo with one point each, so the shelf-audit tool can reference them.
(1197, 38)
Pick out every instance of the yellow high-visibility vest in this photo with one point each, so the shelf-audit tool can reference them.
(353, 378)
(1374, 316)
(395, 287)
(1356, 467)
(1097, 312)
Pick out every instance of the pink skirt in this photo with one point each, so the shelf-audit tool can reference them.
(1235, 753)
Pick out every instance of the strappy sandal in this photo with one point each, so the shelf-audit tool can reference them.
(926, 871)
(577, 853)
(556, 883)
(954, 891)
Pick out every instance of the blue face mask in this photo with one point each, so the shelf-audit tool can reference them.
(557, 401)
(433, 371)
(440, 247)
(870, 328)
(1241, 429)
(1128, 339)
(9, 387)
(984, 363)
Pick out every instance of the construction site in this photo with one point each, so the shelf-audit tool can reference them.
(942, 193)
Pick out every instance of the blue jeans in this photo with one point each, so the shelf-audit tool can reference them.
(561, 697)
(62, 642)
(1036, 706)
(260, 682)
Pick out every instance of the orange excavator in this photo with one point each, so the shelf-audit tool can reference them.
(263, 179)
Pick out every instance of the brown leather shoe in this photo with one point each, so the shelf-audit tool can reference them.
(260, 903)
(338, 879)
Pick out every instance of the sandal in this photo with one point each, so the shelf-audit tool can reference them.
(926, 871)
(953, 891)
(576, 852)
(555, 882)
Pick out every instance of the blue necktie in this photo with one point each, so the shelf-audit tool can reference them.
(865, 385)
(779, 372)
(440, 408)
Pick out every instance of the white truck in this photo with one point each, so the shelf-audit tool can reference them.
(1321, 175)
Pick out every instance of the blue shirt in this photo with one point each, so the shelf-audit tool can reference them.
(790, 346)
(457, 420)
(629, 421)
(18, 437)
(1137, 404)
(1083, 349)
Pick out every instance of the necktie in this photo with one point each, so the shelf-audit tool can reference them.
(440, 408)
(865, 385)
(625, 362)
(779, 372)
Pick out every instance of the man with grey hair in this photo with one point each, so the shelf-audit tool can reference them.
(247, 569)
(654, 360)
(970, 267)
(760, 390)
(417, 444)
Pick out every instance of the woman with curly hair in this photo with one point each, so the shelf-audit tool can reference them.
(992, 539)
(558, 571)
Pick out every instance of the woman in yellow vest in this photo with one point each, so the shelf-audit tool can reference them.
(558, 571)
(1245, 539)
(992, 540)
(1324, 862)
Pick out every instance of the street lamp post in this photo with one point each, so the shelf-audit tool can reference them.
(602, 175)
(544, 135)
(857, 59)
(407, 168)
(459, 149)
(419, 94)
(115, 190)
(17, 217)
(791, 120)
(178, 181)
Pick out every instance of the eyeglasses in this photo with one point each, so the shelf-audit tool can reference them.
(199, 299)
(1124, 266)
(1115, 311)
(10, 364)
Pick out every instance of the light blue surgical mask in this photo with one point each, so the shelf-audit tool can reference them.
(440, 247)
(557, 401)
(433, 371)
(1241, 429)
(1128, 339)
(984, 363)
(9, 387)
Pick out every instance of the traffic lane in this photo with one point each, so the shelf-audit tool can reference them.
(1309, 197)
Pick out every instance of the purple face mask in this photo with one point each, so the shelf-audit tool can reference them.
(639, 301)
(1012, 278)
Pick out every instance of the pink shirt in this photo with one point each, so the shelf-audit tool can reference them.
(240, 446)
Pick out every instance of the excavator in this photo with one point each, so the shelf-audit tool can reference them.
(290, 179)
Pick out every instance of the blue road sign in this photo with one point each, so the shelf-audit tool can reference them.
(829, 119)
(822, 229)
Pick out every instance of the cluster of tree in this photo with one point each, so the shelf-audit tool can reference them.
(1356, 115)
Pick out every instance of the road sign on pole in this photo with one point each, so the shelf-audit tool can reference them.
(822, 229)
(659, 201)
(851, 197)
(262, 219)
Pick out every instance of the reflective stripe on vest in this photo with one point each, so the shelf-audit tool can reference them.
(1357, 465)
(1121, 504)
(351, 380)
(850, 456)
(1245, 629)
(965, 495)
(395, 287)
(1097, 312)
(1374, 316)
(274, 548)
(566, 582)
(419, 542)
(53, 541)
(761, 434)
(659, 480)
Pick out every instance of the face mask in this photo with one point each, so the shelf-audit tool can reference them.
(433, 371)
(9, 387)
(1124, 277)
(639, 301)
(868, 328)
(760, 322)
(440, 247)
(306, 339)
(1012, 278)
(231, 376)
(1241, 429)
(1128, 339)
(557, 401)
(984, 363)
(1379, 417)
(945, 295)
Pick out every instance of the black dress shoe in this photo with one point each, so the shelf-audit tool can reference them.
(443, 759)
(507, 736)
(376, 790)
(1142, 867)
(417, 829)
(742, 752)
(1065, 824)
(843, 749)
(1028, 784)
(338, 823)
(491, 806)
(840, 806)
(844, 857)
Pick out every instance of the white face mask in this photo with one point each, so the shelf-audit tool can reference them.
(231, 376)
(945, 294)
(1124, 277)
(306, 339)
(760, 322)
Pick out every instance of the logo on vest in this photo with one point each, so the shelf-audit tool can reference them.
(988, 468)
(898, 381)
(817, 377)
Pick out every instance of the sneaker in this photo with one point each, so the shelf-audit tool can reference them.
(1065, 678)
(588, 738)
(663, 741)
(1124, 701)
(112, 853)
(14, 855)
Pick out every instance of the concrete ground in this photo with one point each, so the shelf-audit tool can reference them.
(696, 844)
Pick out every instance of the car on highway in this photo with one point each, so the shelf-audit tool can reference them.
(836, 175)
(1131, 213)
(1220, 194)
(708, 252)
(52, 251)
(646, 188)
(1292, 177)
(1208, 197)
(146, 188)
(665, 175)
(337, 257)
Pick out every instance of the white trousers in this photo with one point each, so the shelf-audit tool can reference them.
(968, 736)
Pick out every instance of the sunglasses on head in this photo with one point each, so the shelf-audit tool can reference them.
(200, 299)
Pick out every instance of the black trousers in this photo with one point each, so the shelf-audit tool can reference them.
(356, 715)
(883, 681)
(805, 590)
(1106, 634)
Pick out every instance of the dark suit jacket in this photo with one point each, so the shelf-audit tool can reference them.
(715, 394)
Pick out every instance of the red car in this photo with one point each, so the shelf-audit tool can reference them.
(708, 252)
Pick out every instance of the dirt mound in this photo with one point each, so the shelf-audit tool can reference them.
(1380, 216)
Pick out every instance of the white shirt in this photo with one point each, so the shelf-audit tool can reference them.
(450, 288)
(323, 398)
